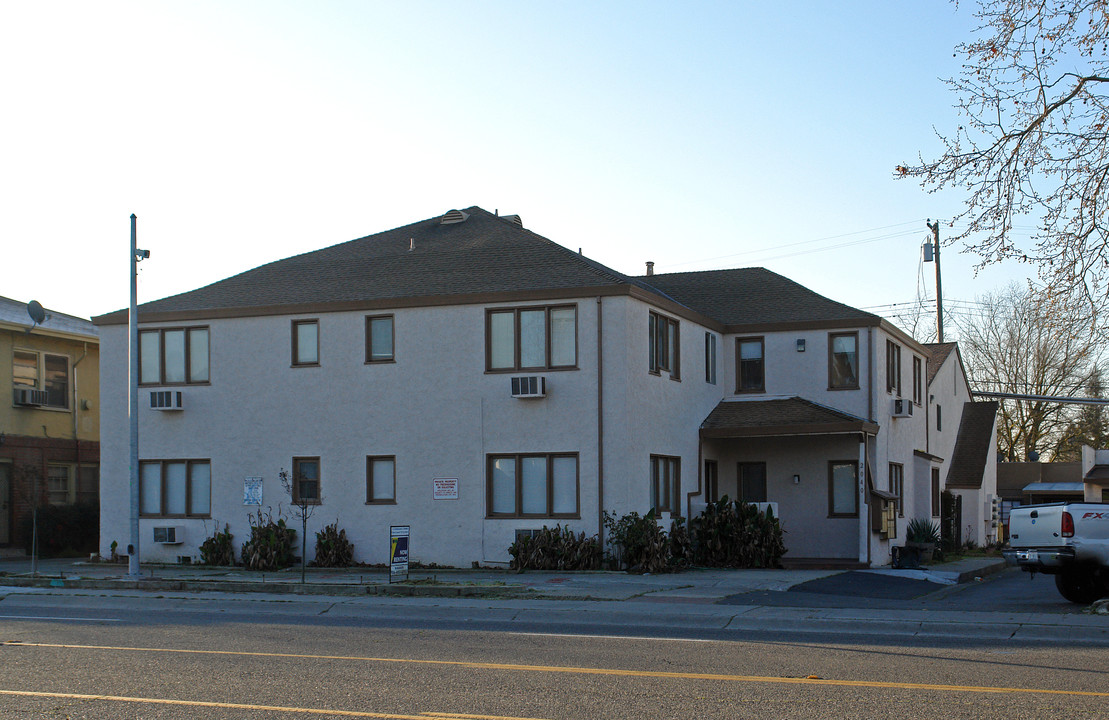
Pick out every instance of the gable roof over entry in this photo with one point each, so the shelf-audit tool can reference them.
(779, 417)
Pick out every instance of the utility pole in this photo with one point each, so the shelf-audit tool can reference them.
(935, 246)
(133, 399)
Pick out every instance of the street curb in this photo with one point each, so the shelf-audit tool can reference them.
(276, 588)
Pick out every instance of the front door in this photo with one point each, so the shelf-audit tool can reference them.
(5, 503)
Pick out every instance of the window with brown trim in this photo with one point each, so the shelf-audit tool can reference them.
(710, 358)
(173, 356)
(935, 492)
(379, 338)
(843, 361)
(843, 496)
(306, 343)
(893, 368)
(751, 478)
(43, 371)
(664, 345)
(381, 480)
(897, 486)
(543, 485)
(306, 480)
(666, 484)
(175, 488)
(531, 338)
(750, 365)
(918, 380)
(712, 481)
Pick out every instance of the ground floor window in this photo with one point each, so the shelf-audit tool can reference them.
(306, 480)
(712, 481)
(60, 489)
(175, 488)
(897, 486)
(666, 484)
(935, 492)
(843, 499)
(532, 485)
(752, 482)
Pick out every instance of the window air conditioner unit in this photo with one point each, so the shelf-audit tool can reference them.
(29, 397)
(169, 535)
(166, 400)
(529, 386)
(902, 407)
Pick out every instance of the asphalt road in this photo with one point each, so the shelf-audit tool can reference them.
(74, 655)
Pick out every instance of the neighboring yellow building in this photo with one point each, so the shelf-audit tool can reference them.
(49, 416)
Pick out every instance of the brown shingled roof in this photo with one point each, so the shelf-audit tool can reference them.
(972, 445)
(779, 416)
(754, 297)
(485, 254)
(937, 354)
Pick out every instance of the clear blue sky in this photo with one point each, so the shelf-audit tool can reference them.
(697, 135)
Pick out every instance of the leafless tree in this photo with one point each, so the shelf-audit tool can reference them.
(1033, 95)
(303, 506)
(1014, 344)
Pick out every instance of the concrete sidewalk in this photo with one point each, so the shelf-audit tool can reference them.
(694, 585)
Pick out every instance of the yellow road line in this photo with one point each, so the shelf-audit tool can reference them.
(583, 670)
(246, 706)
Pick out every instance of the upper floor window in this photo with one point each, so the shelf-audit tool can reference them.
(750, 373)
(306, 342)
(175, 488)
(173, 356)
(918, 385)
(544, 485)
(531, 338)
(666, 484)
(893, 368)
(710, 358)
(664, 345)
(843, 361)
(42, 371)
(381, 480)
(379, 338)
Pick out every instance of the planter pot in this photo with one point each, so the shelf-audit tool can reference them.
(924, 550)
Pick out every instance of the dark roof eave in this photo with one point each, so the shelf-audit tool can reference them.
(119, 317)
(844, 428)
(832, 324)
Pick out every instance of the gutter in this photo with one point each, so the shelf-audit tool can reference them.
(600, 427)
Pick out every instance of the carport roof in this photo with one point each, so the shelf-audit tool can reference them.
(779, 417)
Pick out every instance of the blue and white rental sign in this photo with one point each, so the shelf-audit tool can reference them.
(398, 552)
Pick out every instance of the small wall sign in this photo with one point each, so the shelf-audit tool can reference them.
(398, 552)
(445, 488)
(252, 491)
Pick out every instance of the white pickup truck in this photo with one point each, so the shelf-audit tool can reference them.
(1067, 540)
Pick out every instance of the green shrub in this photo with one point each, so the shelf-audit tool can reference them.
(218, 550)
(736, 534)
(557, 548)
(64, 530)
(332, 547)
(640, 544)
(922, 530)
(271, 543)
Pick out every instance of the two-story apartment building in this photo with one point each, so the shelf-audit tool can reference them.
(470, 379)
(50, 419)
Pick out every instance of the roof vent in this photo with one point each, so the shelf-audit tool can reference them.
(514, 218)
(453, 217)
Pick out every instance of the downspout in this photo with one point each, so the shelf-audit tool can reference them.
(864, 519)
(600, 429)
(76, 438)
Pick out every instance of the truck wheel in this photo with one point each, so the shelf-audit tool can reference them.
(1080, 586)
